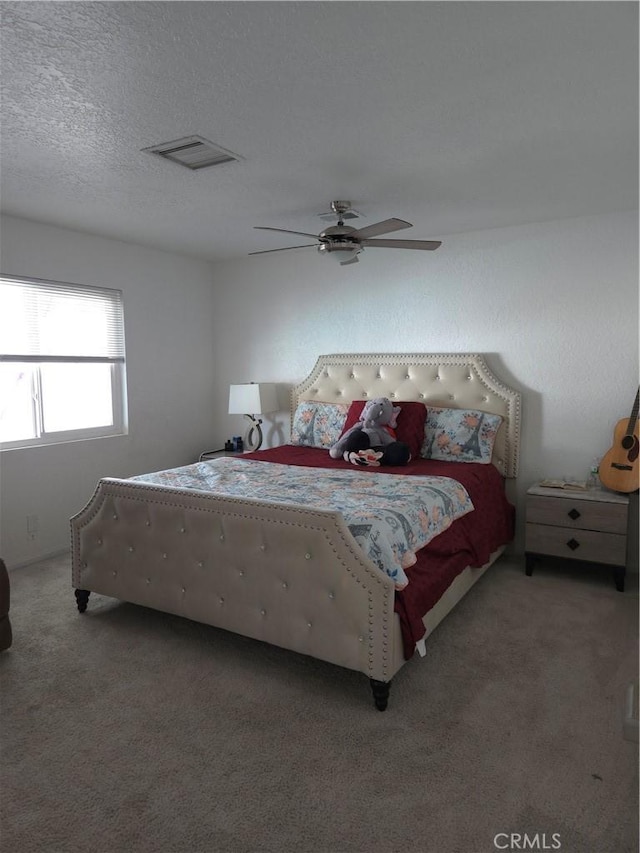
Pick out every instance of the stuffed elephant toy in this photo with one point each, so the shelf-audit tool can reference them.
(374, 431)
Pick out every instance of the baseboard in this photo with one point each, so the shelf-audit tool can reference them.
(39, 559)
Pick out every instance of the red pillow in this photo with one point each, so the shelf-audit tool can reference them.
(410, 428)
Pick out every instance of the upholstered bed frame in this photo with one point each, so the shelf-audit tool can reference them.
(292, 577)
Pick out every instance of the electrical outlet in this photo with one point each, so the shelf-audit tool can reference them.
(32, 527)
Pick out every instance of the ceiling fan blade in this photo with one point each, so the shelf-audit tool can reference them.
(353, 260)
(284, 231)
(384, 227)
(284, 249)
(430, 245)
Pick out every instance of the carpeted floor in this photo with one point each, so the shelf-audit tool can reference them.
(125, 730)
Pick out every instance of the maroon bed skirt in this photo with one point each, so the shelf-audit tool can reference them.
(469, 541)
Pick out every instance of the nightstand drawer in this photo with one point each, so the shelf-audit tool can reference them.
(580, 514)
(590, 545)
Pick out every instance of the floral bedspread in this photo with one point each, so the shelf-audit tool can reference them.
(390, 516)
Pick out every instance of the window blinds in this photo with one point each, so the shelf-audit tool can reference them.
(47, 321)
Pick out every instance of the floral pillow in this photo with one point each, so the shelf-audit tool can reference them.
(410, 424)
(459, 435)
(318, 424)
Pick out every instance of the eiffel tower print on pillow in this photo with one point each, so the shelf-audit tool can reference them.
(459, 435)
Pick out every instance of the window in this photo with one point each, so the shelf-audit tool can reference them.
(62, 364)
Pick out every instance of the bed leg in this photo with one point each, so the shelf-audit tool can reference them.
(380, 693)
(82, 598)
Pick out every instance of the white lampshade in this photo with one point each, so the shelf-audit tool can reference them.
(341, 253)
(253, 398)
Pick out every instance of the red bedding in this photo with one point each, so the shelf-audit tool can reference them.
(468, 542)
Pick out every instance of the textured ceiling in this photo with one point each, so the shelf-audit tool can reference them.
(456, 116)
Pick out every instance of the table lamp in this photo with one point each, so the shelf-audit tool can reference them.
(251, 399)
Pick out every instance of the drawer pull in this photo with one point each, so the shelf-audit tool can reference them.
(573, 514)
(573, 544)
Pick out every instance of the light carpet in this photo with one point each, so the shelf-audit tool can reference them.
(128, 730)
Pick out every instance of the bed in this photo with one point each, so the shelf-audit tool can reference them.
(294, 574)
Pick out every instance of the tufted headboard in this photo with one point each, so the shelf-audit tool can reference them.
(456, 380)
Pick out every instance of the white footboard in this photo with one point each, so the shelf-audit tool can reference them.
(292, 577)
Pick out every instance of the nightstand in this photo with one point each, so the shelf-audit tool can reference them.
(590, 526)
(216, 454)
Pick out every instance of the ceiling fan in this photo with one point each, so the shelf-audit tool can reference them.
(344, 243)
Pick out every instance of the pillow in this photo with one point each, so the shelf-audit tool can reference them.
(318, 424)
(459, 435)
(410, 427)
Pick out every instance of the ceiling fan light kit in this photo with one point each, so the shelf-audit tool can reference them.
(342, 253)
(344, 243)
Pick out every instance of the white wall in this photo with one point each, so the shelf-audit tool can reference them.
(168, 303)
(554, 305)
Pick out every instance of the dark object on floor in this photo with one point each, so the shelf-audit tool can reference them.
(6, 636)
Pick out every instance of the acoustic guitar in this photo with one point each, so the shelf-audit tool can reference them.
(619, 467)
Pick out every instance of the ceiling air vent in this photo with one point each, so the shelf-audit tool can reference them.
(194, 152)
